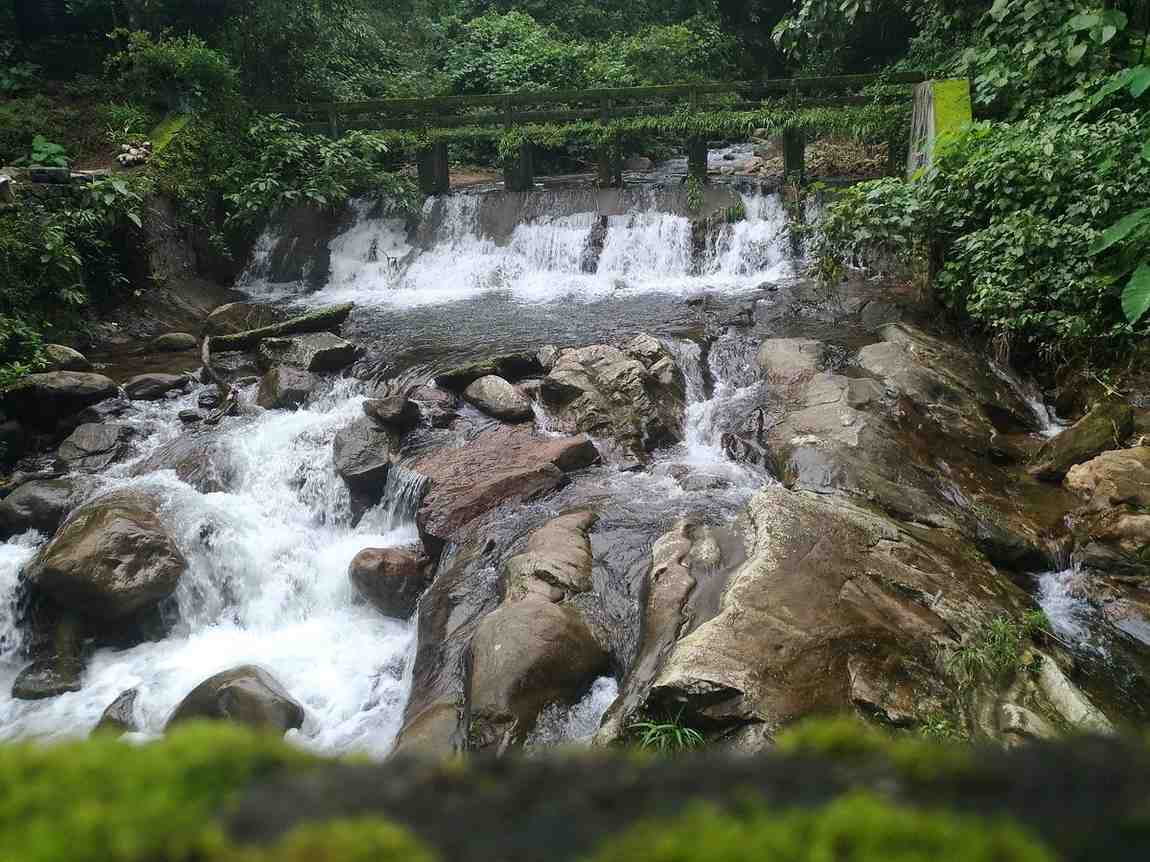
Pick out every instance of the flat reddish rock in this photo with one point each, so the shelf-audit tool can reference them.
(500, 465)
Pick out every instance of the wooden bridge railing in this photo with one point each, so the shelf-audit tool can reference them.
(565, 106)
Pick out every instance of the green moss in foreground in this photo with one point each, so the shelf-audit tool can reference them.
(856, 828)
(102, 800)
(848, 739)
(353, 840)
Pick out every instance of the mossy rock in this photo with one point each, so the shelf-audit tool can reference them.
(352, 840)
(856, 828)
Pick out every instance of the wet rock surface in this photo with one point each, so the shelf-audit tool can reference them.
(39, 505)
(285, 387)
(41, 400)
(391, 579)
(317, 352)
(198, 459)
(633, 395)
(247, 694)
(1104, 427)
(501, 465)
(149, 387)
(92, 447)
(111, 558)
(499, 399)
(234, 317)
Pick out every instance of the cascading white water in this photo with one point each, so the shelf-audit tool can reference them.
(267, 584)
(577, 724)
(543, 259)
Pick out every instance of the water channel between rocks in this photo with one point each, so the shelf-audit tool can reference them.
(268, 581)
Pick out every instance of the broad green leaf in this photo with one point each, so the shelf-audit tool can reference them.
(1136, 294)
(1121, 229)
(1146, 151)
(1075, 54)
(1108, 32)
(1139, 80)
(1083, 22)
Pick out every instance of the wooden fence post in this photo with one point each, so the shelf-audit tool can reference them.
(434, 169)
(794, 155)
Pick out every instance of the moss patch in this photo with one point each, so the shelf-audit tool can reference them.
(102, 800)
(166, 130)
(353, 840)
(857, 828)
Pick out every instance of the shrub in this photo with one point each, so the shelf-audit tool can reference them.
(182, 71)
(666, 736)
(856, 828)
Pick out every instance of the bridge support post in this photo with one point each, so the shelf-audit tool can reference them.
(519, 175)
(434, 174)
(697, 159)
(794, 155)
(610, 168)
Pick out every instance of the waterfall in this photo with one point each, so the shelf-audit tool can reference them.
(266, 584)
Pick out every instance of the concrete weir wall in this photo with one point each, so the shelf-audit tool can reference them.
(940, 108)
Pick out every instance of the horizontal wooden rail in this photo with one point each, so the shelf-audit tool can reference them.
(432, 111)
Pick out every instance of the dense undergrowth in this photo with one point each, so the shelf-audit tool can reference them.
(1031, 225)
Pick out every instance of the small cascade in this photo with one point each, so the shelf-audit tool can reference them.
(402, 494)
(576, 724)
(13, 555)
(1072, 618)
(1049, 425)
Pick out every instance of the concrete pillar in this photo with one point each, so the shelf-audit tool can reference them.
(519, 176)
(434, 172)
(940, 108)
(610, 168)
(697, 159)
(794, 155)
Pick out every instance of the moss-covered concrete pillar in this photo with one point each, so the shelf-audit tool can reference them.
(434, 172)
(610, 167)
(794, 155)
(519, 173)
(940, 108)
(697, 159)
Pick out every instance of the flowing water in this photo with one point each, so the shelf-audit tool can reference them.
(267, 582)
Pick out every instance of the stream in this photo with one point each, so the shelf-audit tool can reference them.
(268, 560)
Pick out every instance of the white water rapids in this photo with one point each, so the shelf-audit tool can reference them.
(268, 583)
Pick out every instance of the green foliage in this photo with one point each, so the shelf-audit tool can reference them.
(102, 800)
(290, 168)
(16, 75)
(1031, 49)
(665, 736)
(992, 653)
(358, 840)
(45, 153)
(697, 50)
(54, 261)
(498, 53)
(855, 828)
(126, 122)
(181, 72)
(1010, 213)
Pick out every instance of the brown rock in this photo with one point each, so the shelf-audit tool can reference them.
(285, 387)
(1104, 427)
(246, 694)
(504, 464)
(392, 579)
(41, 400)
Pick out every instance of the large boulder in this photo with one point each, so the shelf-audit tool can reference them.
(284, 387)
(41, 400)
(111, 558)
(826, 579)
(61, 358)
(498, 398)
(634, 395)
(509, 366)
(247, 694)
(120, 715)
(396, 412)
(1115, 478)
(151, 387)
(957, 388)
(317, 352)
(47, 678)
(40, 505)
(92, 447)
(505, 464)
(556, 561)
(198, 459)
(13, 439)
(524, 656)
(242, 316)
(1104, 427)
(785, 360)
(174, 342)
(363, 453)
(391, 579)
